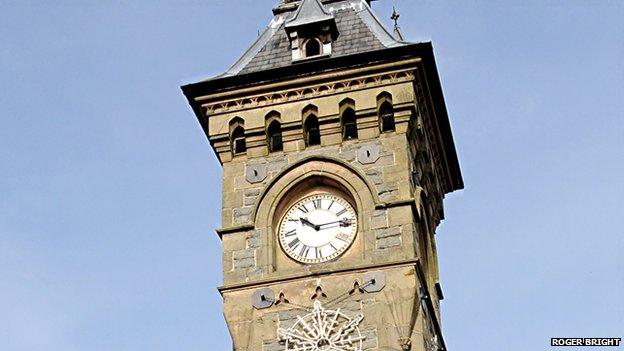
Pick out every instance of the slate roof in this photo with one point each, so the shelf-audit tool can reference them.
(358, 27)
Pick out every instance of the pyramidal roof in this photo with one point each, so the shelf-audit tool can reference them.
(309, 11)
(359, 30)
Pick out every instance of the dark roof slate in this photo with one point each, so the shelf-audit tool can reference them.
(276, 53)
(354, 37)
(359, 30)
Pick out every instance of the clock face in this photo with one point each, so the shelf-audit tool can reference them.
(318, 228)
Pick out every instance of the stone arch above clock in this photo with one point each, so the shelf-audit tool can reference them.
(374, 172)
(348, 177)
(315, 175)
(385, 232)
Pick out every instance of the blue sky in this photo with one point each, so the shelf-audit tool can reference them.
(108, 188)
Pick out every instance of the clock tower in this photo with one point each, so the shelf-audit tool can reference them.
(337, 154)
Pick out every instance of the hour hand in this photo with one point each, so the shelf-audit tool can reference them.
(305, 221)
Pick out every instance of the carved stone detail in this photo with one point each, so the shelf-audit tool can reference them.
(322, 330)
(262, 298)
(256, 173)
(304, 93)
(377, 281)
(368, 154)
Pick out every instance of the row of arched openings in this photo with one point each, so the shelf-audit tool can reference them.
(311, 126)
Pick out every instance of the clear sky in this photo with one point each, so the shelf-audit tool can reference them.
(109, 192)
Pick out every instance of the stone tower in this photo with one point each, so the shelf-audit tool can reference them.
(337, 154)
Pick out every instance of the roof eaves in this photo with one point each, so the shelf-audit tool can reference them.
(423, 50)
(228, 82)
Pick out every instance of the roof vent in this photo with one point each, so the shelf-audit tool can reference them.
(311, 31)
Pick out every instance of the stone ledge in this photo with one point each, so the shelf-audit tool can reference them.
(268, 281)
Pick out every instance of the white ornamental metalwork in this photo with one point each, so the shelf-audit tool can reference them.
(323, 330)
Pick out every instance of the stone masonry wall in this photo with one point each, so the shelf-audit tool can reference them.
(388, 174)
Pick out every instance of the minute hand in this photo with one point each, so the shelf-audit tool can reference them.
(342, 222)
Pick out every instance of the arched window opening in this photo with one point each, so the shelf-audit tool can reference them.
(349, 124)
(386, 116)
(274, 135)
(312, 47)
(239, 146)
(237, 136)
(385, 111)
(312, 133)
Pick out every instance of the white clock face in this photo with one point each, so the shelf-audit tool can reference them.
(318, 228)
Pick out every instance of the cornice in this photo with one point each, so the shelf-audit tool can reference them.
(306, 93)
(275, 94)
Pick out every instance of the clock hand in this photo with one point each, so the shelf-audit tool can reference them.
(331, 226)
(342, 223)
(305, 221)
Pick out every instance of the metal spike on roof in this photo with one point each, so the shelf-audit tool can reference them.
(397, 30)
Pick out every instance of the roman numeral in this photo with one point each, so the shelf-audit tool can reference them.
(333, 247)
(330, 205)
(304, 251)
(294, 243)
(317, 204)
(343, 211)
(318, 253)
(342, 237)
(290, 233)
(303, 209)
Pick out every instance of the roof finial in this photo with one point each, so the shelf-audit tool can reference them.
(395, 17)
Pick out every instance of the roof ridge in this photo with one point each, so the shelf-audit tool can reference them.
(276, 23)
